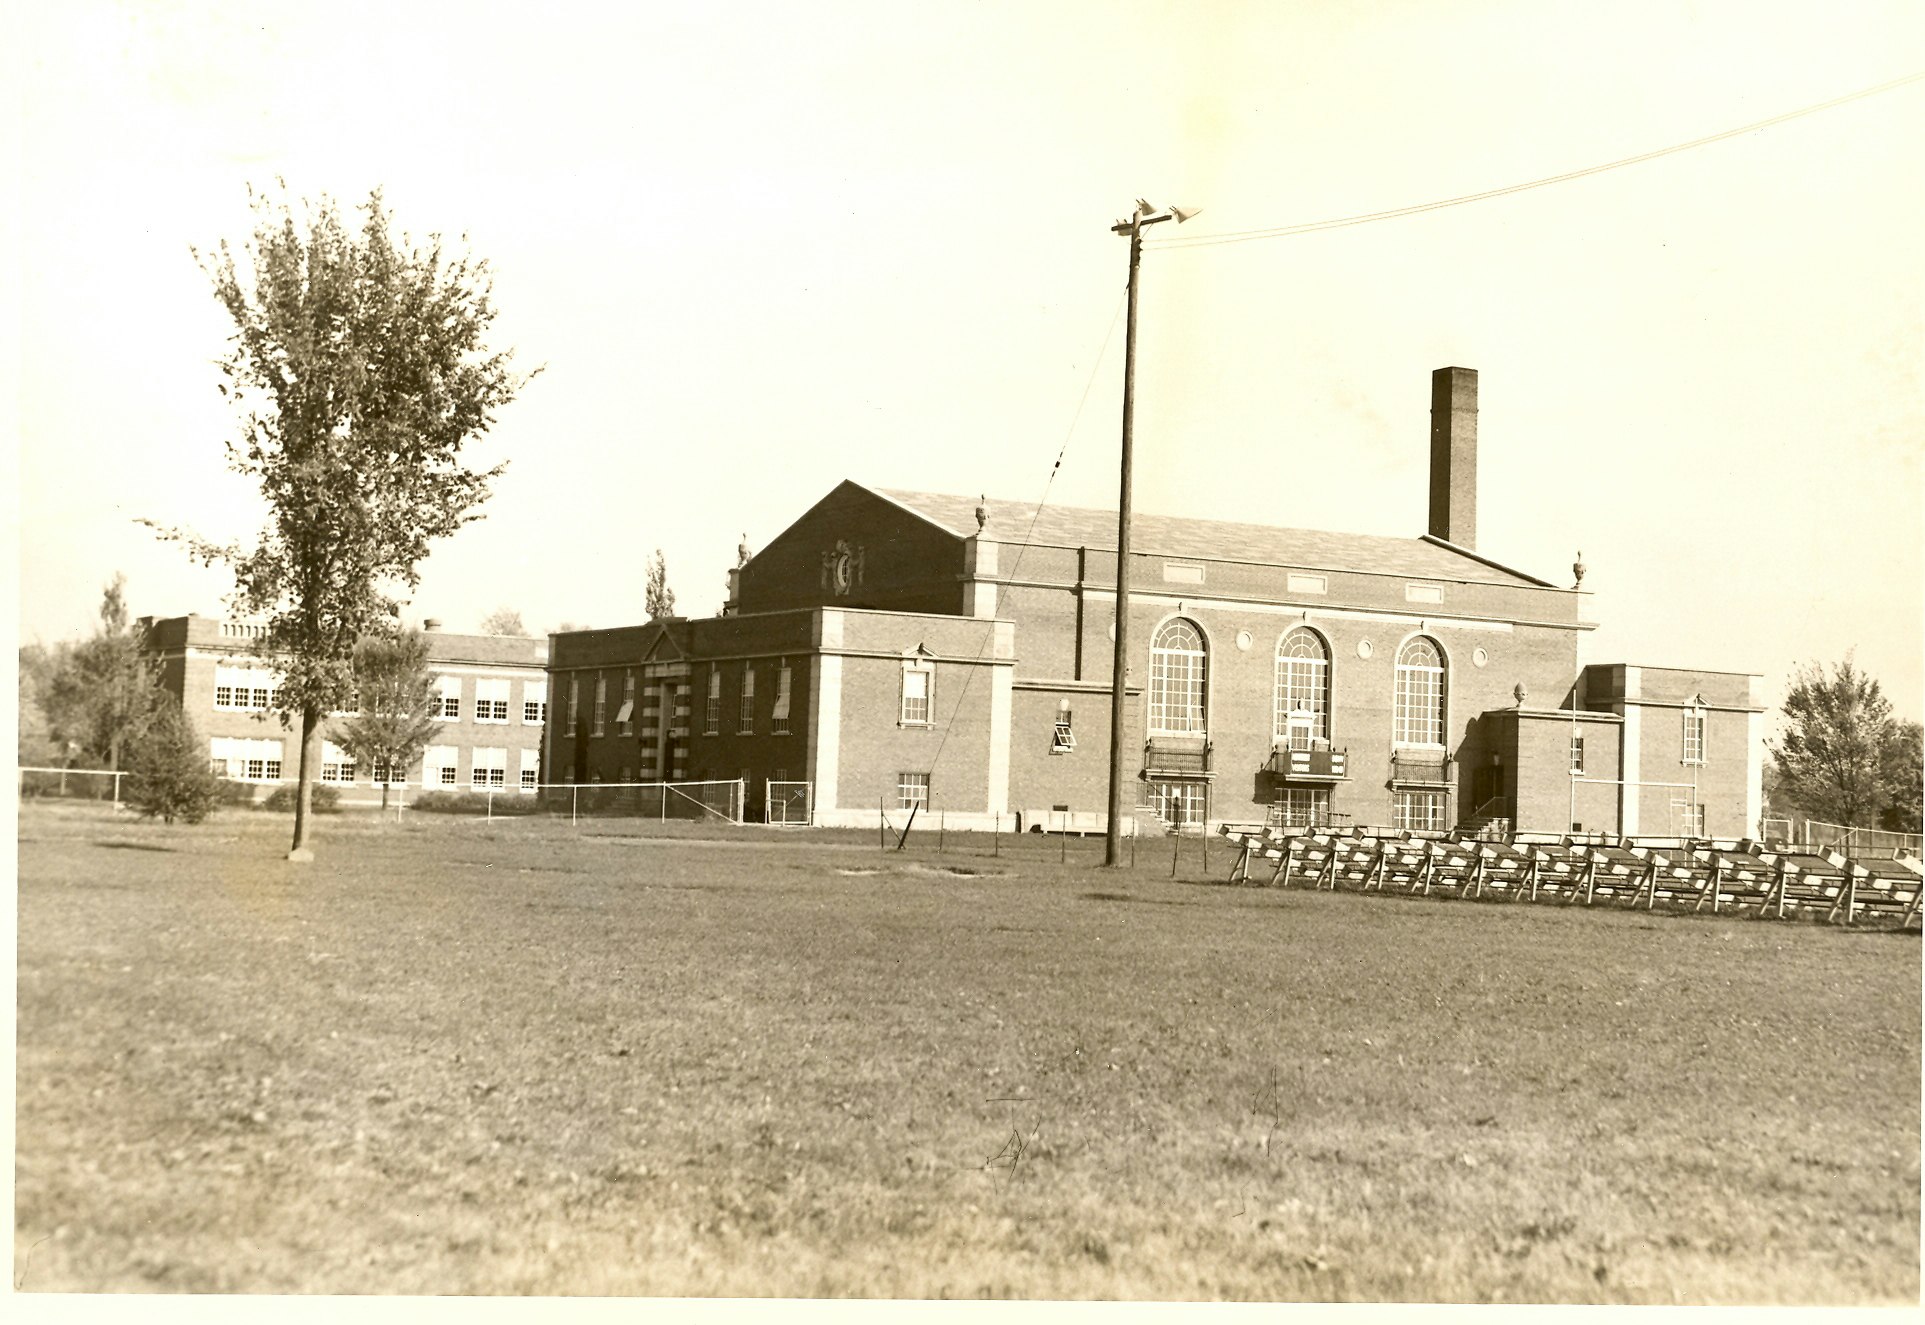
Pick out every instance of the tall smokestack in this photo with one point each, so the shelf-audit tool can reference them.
(1453, 456)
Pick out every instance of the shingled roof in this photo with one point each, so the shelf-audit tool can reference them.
(1165, 535)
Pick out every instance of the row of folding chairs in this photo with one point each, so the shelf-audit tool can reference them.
(1741, 877)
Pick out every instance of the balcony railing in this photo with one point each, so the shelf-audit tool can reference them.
(1422, 767)
(1308, 764)
(1176, 756)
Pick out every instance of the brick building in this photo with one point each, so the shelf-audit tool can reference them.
(899, 648)
(494, 698)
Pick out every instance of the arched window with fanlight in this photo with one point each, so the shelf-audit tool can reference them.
(1417, 716)
(1303, 689)
(1179, 676)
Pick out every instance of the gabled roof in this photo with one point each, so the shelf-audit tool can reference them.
(1165, 535)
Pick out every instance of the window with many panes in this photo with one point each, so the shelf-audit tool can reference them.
(1063, 741)
(1176, 803)
(918, 685)
(335, 764)
(491, 700)
(779, 715)
(1693, 820)
(1303, 807)
(574, 704)
(1418, 714)
(712, 717)
(448, 689)
(1419, 811)
(601, 706)
(745, 723)
(488, 768)
(1694, 735)
(384, 772)
(1303, 688)
(257, 759)
(439, 766)
(625, 715)
(1179, 678)
(912, 789)
(1577, 754)
(534, 701)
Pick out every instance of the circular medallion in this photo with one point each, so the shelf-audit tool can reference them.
(1243, 640)
(841, 572)
(1363, 648)
(1479, 657)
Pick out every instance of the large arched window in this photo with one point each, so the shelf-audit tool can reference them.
(1418, 717)
(1179, 665)
(1303, 688)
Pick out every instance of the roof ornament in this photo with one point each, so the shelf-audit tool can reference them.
(1577, 569)
(982, 512)
(1519, 692)
(742, 553)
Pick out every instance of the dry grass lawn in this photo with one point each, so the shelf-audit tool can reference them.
(455, 1057)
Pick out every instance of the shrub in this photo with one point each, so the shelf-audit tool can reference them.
(326, 799)
(474, 802)
(170, 778)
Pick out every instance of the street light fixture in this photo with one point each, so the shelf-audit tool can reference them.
(1145, 215)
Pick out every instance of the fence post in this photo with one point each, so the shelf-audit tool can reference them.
(882, 826)
(491, 805)
(998, 848)
(117, 777)
(574, 801)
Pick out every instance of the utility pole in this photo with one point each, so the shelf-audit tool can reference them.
(1119, 669)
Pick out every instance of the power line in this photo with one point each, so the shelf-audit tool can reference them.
(1339, 222)
(1029, 533)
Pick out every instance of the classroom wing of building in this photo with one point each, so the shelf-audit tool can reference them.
(892, 650)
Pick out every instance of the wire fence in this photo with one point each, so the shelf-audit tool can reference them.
(88, 784)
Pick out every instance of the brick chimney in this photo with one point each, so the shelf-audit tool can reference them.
(1453, 456)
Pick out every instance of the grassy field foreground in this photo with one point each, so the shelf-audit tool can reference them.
(454, 1057)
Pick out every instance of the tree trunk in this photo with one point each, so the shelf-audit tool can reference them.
(304, 785)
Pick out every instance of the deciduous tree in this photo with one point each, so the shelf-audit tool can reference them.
(1833, 754)
(360, 369)
(97, 693)
(661, 598)
(1905, 779)
(504, 621)
(398, 706)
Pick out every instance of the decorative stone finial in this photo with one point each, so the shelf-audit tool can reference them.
(742, 553)
(1519, 692)
(982, 512)
(1577, 569)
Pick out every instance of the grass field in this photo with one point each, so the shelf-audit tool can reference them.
(455, 1057)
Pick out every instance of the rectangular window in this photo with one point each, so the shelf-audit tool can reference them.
(1418, 811)
(335, 765)
(746, 724)
(491, 700)
(574, 703)
(256, 759)
(439, 766)
(1424, 593)
(601, 706)
(1304, 807)
(1694, 736)
(780, 715)
(534, 701)
(1693, 820)
(1418, 718)
(1577, 754)
(1177, 803)
(625, 715)
(488, 768)
(1064, 739)
(915, 696)
(912, 789)
(1297, 582)
(449, 689)
(244, 688)
(713, 716)
(528, 773)
(382, 774)
(1174, 573)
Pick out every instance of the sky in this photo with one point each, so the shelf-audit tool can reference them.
(758, 249)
